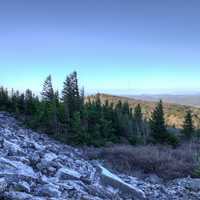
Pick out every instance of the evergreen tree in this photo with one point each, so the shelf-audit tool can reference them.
(157, 124)
(4, 99)
(138, 119)
(47, 92)
(125, 108)
(55, 113)
(138, 113)
(188, 128)
(14, 101)
(21, 104)
(30, 108)
(49, 116)
(70, 94)
(78, 132)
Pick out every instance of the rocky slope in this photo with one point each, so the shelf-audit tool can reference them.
(35, 167)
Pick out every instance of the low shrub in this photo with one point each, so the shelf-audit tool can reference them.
(166, 162)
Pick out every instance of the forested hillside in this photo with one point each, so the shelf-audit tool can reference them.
(174, 113)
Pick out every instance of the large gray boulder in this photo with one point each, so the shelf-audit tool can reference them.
(22, 186)
(3, 185)
(48, 190)
(12, 195)
(191, 184)
(66, 173)
(110, 179)
(10, 168)
(12, 148)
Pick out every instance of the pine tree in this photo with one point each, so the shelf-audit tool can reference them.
(125, 108)
(188, 128)
(55, 113)
(49, 116)
(138, 120)
(4, 99)
(82, 98)
(30, 108)
(21, 104)
(47, 92)
(157, 124)
(73, 103)
(138, 113)
(14, 101)
(70, 94)
(78, 134)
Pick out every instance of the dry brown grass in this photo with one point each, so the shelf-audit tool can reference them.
(164, 161)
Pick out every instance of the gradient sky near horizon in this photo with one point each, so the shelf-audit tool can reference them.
(116, 46)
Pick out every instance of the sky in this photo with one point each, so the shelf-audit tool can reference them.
(116, 46)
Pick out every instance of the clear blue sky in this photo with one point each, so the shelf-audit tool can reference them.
(118, 46)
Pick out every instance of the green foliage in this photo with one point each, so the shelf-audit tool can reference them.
(138, 117)
(157, 124)
(172, 140)
(47, 92)
(188, 128)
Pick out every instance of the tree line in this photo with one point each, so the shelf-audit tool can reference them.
(73, 119)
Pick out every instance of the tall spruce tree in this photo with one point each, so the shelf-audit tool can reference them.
(73, 107)
(188, 128)
(47, 92)
(4, 99)
(138, 120)
(70, 94)
(157, 124)
(30, 108)
(49, 117)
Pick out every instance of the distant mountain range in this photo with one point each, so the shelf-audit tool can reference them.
(174, 108)
(189, 100)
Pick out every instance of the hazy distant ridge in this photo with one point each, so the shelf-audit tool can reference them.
(189, 100)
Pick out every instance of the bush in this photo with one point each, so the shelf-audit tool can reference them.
(172, 140)
(164, 161)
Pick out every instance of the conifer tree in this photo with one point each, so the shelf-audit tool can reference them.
(49, 116)
(29, 103)
(125, 108)
(188, 128)
(70, 94)
(138, 119)
(21, 104)
(77, 135)
(4, 99)
(47, 92)
(157, 124)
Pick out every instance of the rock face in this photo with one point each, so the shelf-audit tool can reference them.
(107, 178)
(35, 167)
